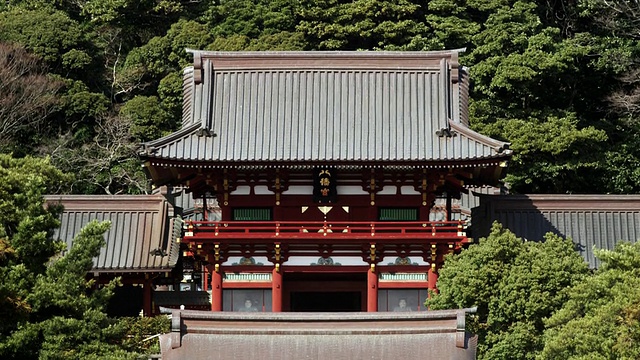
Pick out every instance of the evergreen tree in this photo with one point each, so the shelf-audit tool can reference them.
(601, 318)
(515, 285)
(49, 309)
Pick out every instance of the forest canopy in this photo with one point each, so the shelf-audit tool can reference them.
(83, 83)
(556, 79)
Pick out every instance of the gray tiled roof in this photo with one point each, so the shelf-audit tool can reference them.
(325, 106)
(143, 232)
(599, 221)
(432, 334)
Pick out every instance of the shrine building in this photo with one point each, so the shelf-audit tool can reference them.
(321, 181)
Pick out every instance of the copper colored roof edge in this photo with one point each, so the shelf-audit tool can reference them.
(565, 202)
(266, 60)
(107, 203)
(314, 54)
(324, 316)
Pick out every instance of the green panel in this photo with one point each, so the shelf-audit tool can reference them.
(398, 214)
(252, 214)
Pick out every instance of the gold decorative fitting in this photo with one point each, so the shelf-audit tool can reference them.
(373, 267)
(216, 268)
(277, 267)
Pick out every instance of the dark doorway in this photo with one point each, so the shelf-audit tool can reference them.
(126, 301)
(327, 290)
(326, 301)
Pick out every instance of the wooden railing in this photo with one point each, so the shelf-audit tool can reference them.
(320, 229)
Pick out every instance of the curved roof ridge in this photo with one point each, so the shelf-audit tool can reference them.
(150, 147)
(499, 146)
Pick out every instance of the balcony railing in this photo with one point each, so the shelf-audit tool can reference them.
(321, 229)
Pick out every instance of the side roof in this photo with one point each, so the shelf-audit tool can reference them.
(349, 107)
(211, 335)
(143, 234)
(599, 221)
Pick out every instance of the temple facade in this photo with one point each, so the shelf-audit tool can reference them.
(321, 181)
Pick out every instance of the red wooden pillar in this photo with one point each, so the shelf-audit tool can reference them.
(276, 290)
(147, 298)
(435, 259)
(372, 289)
(432, 277)
(216, 290)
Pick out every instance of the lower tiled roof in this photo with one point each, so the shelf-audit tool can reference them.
(591, 221)
(143, 234)
(437, 334)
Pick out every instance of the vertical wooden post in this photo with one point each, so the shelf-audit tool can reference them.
(205, 274)
(372, 289)
(147, 297)
(276, 289)
(216, 289)
(432, 278)
(435, 261)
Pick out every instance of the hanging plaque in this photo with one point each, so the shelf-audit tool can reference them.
(324, 185)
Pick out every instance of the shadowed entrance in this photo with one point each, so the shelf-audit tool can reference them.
(326, 301)
(324, 292)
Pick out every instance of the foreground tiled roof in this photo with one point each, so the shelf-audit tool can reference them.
(265, 107)
(143, 232)
(418, 335)
(591, 221)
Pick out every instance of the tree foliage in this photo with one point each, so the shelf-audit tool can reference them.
(555, 79)
(364, 25)
(26, 234)
(514, 284)
(49, 309)
(601, 317)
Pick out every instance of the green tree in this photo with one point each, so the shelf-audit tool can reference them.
(26, 232)
(364, 25)
(515, 59)
(60, 41)
(49, 309)
(601, 317)
(66, 318)
(515, 285)
(148, 119)
(147, 65)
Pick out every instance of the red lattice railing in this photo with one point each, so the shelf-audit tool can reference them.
(320, 229)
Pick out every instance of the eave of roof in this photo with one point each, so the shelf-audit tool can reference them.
(142, 235)
(263, 107)
(226, 335)
(592, 221)
(191, 145)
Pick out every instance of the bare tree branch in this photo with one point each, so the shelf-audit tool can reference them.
(27, 95)
(109, 162)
